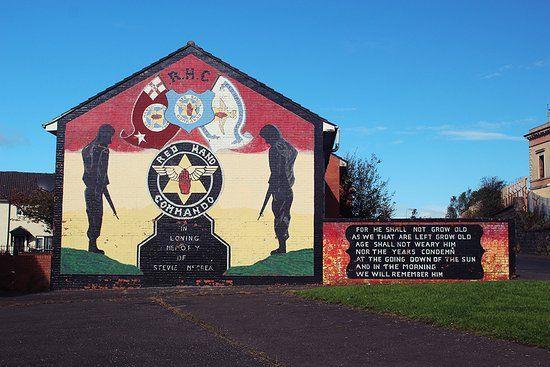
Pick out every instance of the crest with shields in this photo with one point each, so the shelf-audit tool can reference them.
(190, 109)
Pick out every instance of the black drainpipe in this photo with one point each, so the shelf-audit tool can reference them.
(8, 233)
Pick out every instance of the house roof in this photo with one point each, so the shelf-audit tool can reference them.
(538, 131)
(20, 231)
(343, 161)
(11, 182)
(189, 48)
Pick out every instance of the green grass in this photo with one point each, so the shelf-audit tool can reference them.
(84, 262)
(294, 263)
(514, 310)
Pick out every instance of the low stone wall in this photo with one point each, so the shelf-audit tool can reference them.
(534, 242)
(531, 242)
(25, 272)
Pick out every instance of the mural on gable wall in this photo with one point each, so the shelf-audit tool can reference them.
(200, 177)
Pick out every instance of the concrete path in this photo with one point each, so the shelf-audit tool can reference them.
(229, 326)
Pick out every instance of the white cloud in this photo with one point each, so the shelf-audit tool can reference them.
(480, 130)
(417, 129)
(497, 72)
(344, 109)
(356, 45)
(537, 64)
(427, 211)
(433, 211)
(365, 130)
(491, 75)
(478, 135)
(433, 127)
(504, 123)
(10, 141)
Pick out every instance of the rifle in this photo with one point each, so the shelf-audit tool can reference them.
(110, 201)
(267, 196)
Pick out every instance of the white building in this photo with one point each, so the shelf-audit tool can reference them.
(17, 233)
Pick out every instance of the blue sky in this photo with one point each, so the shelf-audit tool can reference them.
(441, 91)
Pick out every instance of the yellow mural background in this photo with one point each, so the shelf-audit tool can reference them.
(245, 178)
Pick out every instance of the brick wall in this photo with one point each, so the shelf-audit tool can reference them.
(494, 241)
(536, 242)
(246, 170)
(533, 242)
(25, 272)
(332, 188)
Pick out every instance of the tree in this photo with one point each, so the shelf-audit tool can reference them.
(488, 197)
(464, 201)
(481, 203)
(452, 212)
(364, 194)
(37, 205)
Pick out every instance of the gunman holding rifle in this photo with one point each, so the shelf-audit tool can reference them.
(95, 157)
(281, 164)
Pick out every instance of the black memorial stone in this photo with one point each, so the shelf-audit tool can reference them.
(419, 251)
(183, 248)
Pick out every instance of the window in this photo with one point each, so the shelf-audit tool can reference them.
(43, 243)
(48, 243)
(39, 243)
(541, 166)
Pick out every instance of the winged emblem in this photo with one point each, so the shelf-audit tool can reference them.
(184, 176)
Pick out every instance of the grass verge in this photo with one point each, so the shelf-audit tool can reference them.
(293, 263)
(513, 310)
(84, 262)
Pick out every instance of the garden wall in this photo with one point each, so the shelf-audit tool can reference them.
(534, 242)
(25, 272)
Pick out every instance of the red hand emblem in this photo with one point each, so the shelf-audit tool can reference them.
(184, 181)
(189, 109)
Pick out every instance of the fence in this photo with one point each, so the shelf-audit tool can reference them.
(516, 193)
(538, 204)
(519, 195)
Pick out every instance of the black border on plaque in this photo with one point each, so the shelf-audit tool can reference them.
(509, 223)
(439, 220)
(79, 280)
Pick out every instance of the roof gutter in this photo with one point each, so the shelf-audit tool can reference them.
(51, 127)
(336, 145)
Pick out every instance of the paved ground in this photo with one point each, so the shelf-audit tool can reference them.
(533, 267)
(230, 326)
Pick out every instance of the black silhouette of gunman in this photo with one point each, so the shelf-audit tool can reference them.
(281, 164)
(95, 156)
